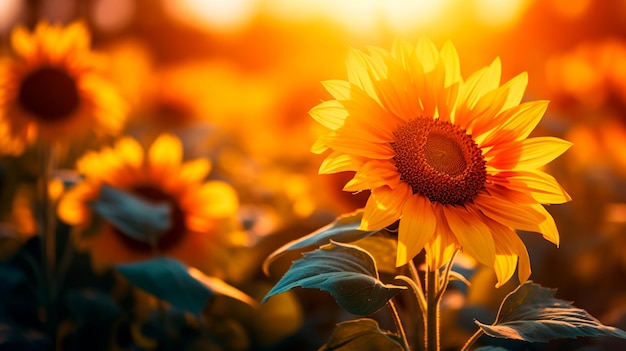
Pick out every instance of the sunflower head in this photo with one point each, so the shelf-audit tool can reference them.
(53, 89)
(201, 213)
(448, 157)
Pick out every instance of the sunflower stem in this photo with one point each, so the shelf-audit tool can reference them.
(472, 340)
(398, 320)
(48, 238)
(419, 290)
(445, 279)
(432, 310)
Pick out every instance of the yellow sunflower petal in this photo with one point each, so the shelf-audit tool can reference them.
(331, 114)
(516, 88)
(486, 114)
(417, 227)
(396, 91)
(441, 248)
(195, 170)
(219, 199)
(358, 74)
(358, 147)
(374, 174)
(319, 146)
(509, 248)
(427, 53)
(477, 85)
(547, 227)
(384, 207)
(473, 234)
(450, 59)
(338, 162)
(165, 155)
(22, 43)
(514, 215)
(528, 154)
(72, 207)
(339, 89)
(130, 152)
(528, 217)
(541, 186)
(514, 124)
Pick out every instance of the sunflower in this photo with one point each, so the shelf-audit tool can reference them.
(200, 210)
(53, 89)
(449, 158)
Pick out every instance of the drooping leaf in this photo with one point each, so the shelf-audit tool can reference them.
(361, 335)
(220, 287)
(345, 271)
(343, 229)
(139, 219)
(176, 283)
(532, 313)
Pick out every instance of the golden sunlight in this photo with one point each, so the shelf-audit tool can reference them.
(227, 16)
(499, 13)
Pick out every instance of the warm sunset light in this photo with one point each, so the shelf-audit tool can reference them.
(312, 175)
(499, 13)
(217, 15)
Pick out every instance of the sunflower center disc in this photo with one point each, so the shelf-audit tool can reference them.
(49, 93)
(439, 160)
(177, 228)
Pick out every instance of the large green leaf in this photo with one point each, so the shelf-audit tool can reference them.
(343, 229)
(345, 271)
(139, 219)
(532, 313)
(361, 335)
(183, 287)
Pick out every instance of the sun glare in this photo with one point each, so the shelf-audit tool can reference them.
(226, 16)
(498, 12)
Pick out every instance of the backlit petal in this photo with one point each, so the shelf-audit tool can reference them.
(337, 162)
(374, 174)
(528, 154)
(165, 155)
(384, 207)
(473, 234)
(417, 227)
(444, 244)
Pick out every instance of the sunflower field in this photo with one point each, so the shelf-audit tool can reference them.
(331, 175)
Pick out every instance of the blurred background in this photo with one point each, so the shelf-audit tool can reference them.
(235, 80)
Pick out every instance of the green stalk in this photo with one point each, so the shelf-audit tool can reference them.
(432, 311)
(48, 238)
(398, 320)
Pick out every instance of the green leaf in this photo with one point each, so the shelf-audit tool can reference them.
(343, 229)
(185, 288)
(361, 335)
(135, 217)
(532, 313)
(92, 306)
(345, 271)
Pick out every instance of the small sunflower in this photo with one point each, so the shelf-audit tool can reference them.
(200, 210)
(449, 158)
(53, 89)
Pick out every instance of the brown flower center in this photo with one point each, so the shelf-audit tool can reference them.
(439, 160)
(49, 93)
(177, 229)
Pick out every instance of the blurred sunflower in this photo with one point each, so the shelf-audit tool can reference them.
(449, 158)
(53, 90)
(199, 210)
